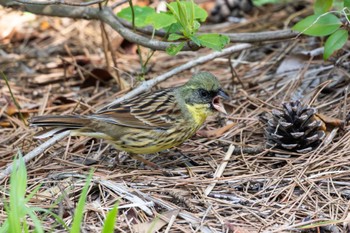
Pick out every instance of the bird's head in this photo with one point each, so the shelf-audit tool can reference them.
(203, 91)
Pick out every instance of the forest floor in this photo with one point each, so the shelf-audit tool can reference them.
(49, 63)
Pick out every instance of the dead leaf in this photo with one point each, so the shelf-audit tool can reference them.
(330, 122)
(292, 62)
(216, 132)
(44, 25)
(12, 111)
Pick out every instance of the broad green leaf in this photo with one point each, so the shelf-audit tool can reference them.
(199, 13)
(174, 36)
(347, 3)
(338, 5)
(196, 40)
(179, 24)
(173, 11)
(334, 42)
(160, 20)
(141, 14)
(174, 28)
(173, 49)
(214, 41)
(322, 6)
(315, 25)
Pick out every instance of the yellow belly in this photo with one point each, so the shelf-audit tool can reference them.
(151, 142)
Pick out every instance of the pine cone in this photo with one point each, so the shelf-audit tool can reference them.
(295, 129)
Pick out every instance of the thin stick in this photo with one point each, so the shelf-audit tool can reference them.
(220, 170)
(37, 151)
(60, 2)
(12, 96)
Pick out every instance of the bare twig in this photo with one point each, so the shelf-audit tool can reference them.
(60, 2)
(37, 151)
(247, 37)
(220, 170)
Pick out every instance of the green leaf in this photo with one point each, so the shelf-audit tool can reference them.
(173, 11)
(141, 14)
(79, 211)
(315, 25)
(183, 15)
(37, 224)
(5, 226)
(199, 13)
(347, 3)
(174, 28)
(322, 6)
(173, 49)
(160, 20)
(263, 2)
(108, 224)
(338, 5)
(214, 41)
(174, 36)
(196, 40)
(334, 42)
(179, 24)
(18, 185)
(196, 25)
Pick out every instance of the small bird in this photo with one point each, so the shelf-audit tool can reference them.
(150, 122)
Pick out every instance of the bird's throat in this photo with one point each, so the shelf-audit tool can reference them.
(199, 112)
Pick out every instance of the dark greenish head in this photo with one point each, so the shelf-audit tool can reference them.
(204, 89)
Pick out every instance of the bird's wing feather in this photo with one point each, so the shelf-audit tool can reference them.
(148, 111)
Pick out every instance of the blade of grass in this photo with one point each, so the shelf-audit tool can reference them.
(18, 185)
(111, 218)
(12, 96)
(37, 223)
(49, 212)
(79, 211)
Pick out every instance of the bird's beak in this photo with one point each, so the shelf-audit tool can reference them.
(217, 104)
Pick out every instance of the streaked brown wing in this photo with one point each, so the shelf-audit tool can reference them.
(148, 111)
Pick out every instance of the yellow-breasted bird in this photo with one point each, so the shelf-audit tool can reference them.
(150, 122)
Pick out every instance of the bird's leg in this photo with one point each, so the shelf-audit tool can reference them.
(189, 162)
(179, 158)
(151, 164)
(145, 161)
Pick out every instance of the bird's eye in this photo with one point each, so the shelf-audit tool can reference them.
(203, 93)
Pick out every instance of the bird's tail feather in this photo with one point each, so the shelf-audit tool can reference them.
(71, 122)
(57, 124)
